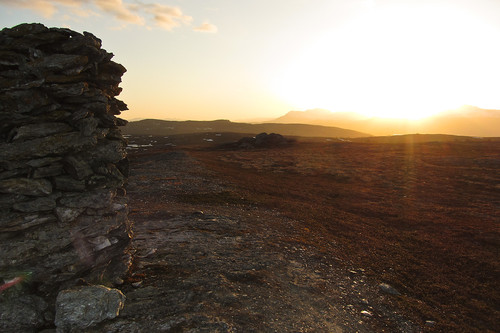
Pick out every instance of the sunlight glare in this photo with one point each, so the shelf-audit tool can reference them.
(396, 62)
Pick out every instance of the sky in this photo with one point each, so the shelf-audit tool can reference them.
(259, 59)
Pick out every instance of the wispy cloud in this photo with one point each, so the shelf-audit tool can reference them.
(126, 12)
(44, 7)
(206, 27)
(166, 17)
(119, 10)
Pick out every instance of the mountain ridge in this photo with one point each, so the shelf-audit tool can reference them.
(170, 127)
(466, 121)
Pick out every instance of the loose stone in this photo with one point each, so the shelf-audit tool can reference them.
(386, 288)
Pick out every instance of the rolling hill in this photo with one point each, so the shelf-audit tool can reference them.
(165, 127)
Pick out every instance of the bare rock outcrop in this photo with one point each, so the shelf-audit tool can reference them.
(262, 140)
(63, 165)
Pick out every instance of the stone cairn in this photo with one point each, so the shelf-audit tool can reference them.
(63, 208)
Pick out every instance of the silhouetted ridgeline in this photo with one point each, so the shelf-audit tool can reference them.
(62, 170)
(165, 127)
(465, 121)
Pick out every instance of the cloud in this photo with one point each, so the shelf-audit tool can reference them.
(119, 10)
(166, 17)
(44, 7)
(206, 27)
(125, 11)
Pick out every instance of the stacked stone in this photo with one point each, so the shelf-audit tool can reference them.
(63, 210)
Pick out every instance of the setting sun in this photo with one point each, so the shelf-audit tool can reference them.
(395, 62)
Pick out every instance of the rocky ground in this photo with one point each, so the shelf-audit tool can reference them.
(207, 261)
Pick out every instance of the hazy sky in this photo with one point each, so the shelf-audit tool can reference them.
(236, 59)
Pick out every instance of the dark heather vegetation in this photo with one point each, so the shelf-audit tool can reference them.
(417, 212)
(422, 217)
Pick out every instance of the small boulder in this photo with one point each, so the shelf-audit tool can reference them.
(86, 306)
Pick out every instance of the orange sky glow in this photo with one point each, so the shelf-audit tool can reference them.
(213, 59)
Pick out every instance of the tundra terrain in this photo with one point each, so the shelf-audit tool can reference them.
(307, 236)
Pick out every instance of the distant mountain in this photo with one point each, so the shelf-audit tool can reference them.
(420, 138)
(316, 115)
(166, 127)
(467, 120)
